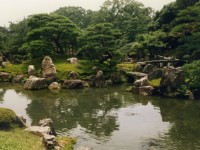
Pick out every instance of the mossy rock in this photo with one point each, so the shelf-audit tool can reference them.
(66, 143)
(155, 82)
(8, 118)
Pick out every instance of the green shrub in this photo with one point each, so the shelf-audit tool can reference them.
(192, 74)
(182, 92)
(196, 55)
(7, 118)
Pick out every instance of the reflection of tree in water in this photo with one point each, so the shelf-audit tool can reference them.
(184, 116)
(92, 109)
(89, 108)
(2, 92)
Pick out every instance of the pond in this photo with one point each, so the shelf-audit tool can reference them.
(110, 118)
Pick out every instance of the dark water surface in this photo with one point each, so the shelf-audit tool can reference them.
(110, 118)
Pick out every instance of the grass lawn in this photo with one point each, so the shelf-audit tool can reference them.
(84, 67)
(63, 68)
(18, 139)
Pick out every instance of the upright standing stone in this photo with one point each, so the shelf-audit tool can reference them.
(98, 80)
(171, 80)
(48, 69)
(31, 70)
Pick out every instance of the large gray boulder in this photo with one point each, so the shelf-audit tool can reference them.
(133, 76)
(39, 130)
(141, 82)
(116, 78)
(73, 75)
(48, 122)
(155, 74)
(98, 80)
(50, 142)
(142, 87)
(54, 86)
(35, 83)
(18, 79)
(148, 68)
(171, 80)
(46, 131)
(146, 90)
(73, 84)
(140, 66)
(48, 69)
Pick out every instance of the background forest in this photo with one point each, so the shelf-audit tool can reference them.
(121, 28)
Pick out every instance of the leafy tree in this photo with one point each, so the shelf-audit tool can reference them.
(98, 40)
(185, 3)
(190, 45)
(12, 38)
(186, 30)
(129, 16)
(3, 38)
(37, 48)
(55, 34)
(150, 44)
(192, 72)
(163, 18)
(78, 15)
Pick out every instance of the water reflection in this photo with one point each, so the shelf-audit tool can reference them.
(184, 116)
(110, 118)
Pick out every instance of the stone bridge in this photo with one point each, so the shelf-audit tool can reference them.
(162, 63)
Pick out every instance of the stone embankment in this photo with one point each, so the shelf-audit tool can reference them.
(171, 77)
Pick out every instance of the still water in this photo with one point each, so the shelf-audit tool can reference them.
(110, 118)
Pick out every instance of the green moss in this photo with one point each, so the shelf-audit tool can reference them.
(155, 82)
(7, 118)
(84, 68)
(66, 143)
(14, 69)
(63, 68)
(23, 67)
(126, 66)
(18, 139)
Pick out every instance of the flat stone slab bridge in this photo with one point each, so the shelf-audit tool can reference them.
(163, 63)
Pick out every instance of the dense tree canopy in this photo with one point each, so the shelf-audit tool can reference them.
(78, 15)
(185, 3)
(50, 34)
(120, 26)
(129, 16)
(3, 38)
(98, 40)
(174, 31)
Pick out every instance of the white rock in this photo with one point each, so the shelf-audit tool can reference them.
(38, 130)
